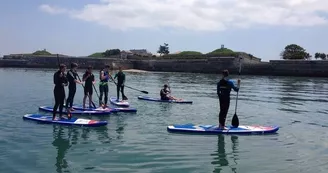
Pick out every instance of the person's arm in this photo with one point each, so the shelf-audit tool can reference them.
(56, 80)
(85, 77)
(218, 88)
(123, 79)
(102, 76)
(235, 88)
(115, 76)
(93, 79)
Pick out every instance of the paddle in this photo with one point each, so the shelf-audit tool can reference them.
(235, 120)
(93, 104)
(102, 103)
(69, 115)
(130, 87)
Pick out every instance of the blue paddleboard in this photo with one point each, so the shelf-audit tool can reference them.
(64, 121)
(79, 112)
(122, 103)
(115, 109)
(159, 100)
(213, 129)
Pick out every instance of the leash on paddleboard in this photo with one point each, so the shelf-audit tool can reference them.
(93, 104)
(235, 120)
(69, 115)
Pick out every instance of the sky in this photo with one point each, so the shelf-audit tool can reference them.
(82, 27)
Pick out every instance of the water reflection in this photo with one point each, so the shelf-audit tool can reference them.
(221, 159)
(62, 144)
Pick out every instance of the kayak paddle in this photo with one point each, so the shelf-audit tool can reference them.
(235, 120)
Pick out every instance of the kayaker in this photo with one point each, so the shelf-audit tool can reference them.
(89, 80)
(224, 87)
(103, 85)
(165, 94)
(72, 80)
(120, 84)
(60, 81)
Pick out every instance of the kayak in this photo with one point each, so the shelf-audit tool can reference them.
(64, 121)
(79, 112)
(159, 100)
(122, 103)
(213, 129)
(115, 109)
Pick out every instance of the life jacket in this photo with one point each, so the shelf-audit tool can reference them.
(105, 74)
(225, 88)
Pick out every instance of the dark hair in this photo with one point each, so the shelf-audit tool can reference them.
(165, 85)
(89, 67)
(61, 66)
(225, 73)
(73, 65)
(107, 66)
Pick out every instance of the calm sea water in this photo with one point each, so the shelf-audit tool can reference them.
(139, 142)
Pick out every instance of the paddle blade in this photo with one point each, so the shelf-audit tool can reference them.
(144, 92)
(235, 121)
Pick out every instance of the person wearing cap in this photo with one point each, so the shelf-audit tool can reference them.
(165, 94)
(103, 85)
(72, 80)
(224, 87)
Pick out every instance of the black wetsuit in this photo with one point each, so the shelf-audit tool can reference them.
(223, 91)
(103, 87)
(164, 93)
(88, 83)
(120, 84)
(59, 92)
(71, 77)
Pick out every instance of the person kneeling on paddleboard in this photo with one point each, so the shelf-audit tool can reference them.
(72, 79)
(103, 85)
(120, 84)
(60, 81)
(89, 80)
(165, 94)
(224, 87)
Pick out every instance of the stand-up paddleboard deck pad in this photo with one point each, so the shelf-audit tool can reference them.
(78, 107)
(159, 100)
(213, 129)
(123, 103)
(64, 121)
(79, 112)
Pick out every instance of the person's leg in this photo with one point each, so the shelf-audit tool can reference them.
(225, 109)
(122, 91)
(101, 90)
(56, 104)
(118, 92)
(69, 98)
(73, 95)
(106, 94)
(90, 97)
(85, 96)
(221, 113)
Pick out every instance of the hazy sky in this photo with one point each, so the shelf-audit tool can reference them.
(82, 27)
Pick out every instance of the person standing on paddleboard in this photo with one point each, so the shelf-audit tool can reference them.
(224, 87)
(72, 80)
(103, 85)
(89, 80)
(60, 81)
(120, 84)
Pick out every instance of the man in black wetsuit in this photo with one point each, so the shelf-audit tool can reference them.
(60, 82)
(103, 85)
(89, 79)
(72, 79)
(224, 87)
(120, 84)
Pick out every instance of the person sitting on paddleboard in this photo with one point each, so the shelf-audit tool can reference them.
(103, 85)
(120, 84)
(224, 87)
(89, 80)
(60, 81)
(72, 80)
(165, 94)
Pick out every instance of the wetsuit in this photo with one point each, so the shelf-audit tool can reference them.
(88, 83)
(59, 92)
(223, 91)
(164, 93)
(120, 84)
(103, 87)
(71, 77)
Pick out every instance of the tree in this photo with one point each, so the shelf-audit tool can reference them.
(323, 56)
(111, 52)
(294, 51)
(190, 53)
(41, 52)
(163, 49)
(317, 55)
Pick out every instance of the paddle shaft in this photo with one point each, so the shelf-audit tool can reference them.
(239, 86)
(112, 80)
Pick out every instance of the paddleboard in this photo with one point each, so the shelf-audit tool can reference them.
(122, 103)
(114, 109)
(159, 100)
(79, 112)
(64, 121)
(213, 129)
